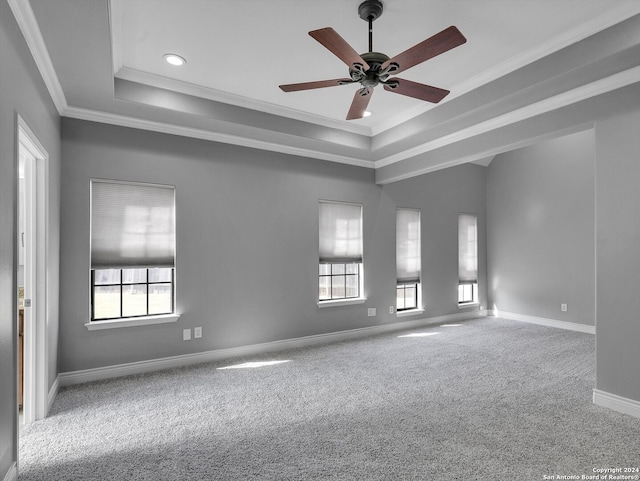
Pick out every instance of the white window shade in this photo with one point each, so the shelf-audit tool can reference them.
(467, 248)
(408, 261)
(132, 225)
(340, 232)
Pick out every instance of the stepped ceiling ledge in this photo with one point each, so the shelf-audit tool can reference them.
(538, 70)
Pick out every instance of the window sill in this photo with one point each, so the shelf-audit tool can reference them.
(342, 302)
(131, 322)
(409, 312)
(470, 304)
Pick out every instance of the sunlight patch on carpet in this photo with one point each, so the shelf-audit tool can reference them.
(255, 364)
(420, 334)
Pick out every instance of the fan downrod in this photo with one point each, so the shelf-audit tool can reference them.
(369, 10)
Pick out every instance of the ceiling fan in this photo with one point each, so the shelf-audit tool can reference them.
(373, 68)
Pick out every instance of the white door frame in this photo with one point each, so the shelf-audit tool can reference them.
(36, 242)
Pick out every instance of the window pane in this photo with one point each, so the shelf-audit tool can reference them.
(352, 269)
(352, 286)
(338, 287)
(337, 269)
(410, 297)
(400, 297)
(134, 300)
(133, 276)
(160, 299)
(106, 301)
(325, 288)
(325, 269)
(107, 276)
(161, 274)
(467, 293)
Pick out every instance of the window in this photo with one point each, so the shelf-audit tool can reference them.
(132, 250)
(408, 259)
(121, 293)
(467, 259)
(340, 249)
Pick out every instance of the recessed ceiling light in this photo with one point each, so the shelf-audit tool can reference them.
(174, 59)
(367, 113)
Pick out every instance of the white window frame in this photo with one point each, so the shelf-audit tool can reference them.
(100, 324)
(345, 301)
(403, 269)
(462, 282)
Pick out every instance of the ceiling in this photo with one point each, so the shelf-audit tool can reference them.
(242, 50)
(103, 60)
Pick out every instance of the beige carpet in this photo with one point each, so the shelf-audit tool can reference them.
(483, 399)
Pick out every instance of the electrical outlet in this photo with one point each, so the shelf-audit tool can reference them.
(197, 332)
(391, 310)
(186, 334)
(563, 307)
(371, 311)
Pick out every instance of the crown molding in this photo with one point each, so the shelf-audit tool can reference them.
(28, 24)
(158, 81)
(613, 82)
(616, 14)
(143, 124)
(482, 157)
(115, 32)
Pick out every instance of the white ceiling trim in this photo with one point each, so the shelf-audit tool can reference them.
(615, 15)
(115, 31)
(137, 123)
(481, 157)
(28, 24)
(616, 81)
(158, 81)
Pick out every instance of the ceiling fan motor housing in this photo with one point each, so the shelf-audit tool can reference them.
(374, 75)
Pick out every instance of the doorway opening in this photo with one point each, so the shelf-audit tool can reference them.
(32, 286)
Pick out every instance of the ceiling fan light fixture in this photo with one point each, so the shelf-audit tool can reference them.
(367, 113)
(174, 59)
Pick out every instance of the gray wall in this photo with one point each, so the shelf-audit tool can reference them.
(541, 229)
(618, 261)
(22, 92)
(441, 196)
(247, 245)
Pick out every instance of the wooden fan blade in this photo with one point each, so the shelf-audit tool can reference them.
(441, 42)
(315, 85)
(338, 46)
(416, 90)
(359, 105)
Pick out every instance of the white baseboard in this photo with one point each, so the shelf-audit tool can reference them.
(543, 321)
(140, 367)
(12, 474)
(617, 403)
(53, 392)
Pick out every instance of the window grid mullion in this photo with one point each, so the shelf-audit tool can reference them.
(121, 295)
(147, 292)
